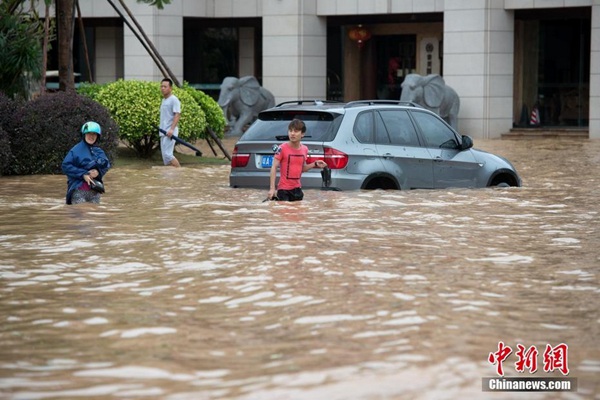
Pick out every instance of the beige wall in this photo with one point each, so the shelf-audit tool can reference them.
(294, 50)
(478, 47)
(482, 71)
(109, 54)
(246, 52)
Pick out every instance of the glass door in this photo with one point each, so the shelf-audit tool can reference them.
(555, 69)
(396, 58)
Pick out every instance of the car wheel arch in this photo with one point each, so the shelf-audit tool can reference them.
(380, 180)
(503, 178)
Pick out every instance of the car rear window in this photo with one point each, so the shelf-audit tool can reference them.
(273, 125)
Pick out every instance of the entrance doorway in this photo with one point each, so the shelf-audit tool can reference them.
(396, 58)
(552, 68)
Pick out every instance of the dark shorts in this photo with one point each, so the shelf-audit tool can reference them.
(290, 195)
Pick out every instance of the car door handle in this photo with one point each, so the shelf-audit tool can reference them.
(438, 159)
(387, 155)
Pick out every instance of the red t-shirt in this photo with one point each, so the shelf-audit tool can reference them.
(291, 163)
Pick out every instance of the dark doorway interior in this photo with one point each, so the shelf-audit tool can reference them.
(555, 67)
(211, 51)
(396, 57)
(335, 69)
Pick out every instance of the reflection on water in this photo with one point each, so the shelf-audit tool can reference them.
(179, 287)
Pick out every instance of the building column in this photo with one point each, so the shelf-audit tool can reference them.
(246, 52)
(294, 50)
(109, 54)
(165, 29)
(594, 127)
(478, 64)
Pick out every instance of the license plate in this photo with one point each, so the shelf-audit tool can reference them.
(266, 161)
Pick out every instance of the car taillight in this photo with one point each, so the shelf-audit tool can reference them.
(239, 159)
(335, 159)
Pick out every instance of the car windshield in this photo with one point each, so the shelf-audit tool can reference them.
(273, 125)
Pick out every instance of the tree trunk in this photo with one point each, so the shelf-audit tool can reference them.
(45, 48)
(65, 23)
(86, 53)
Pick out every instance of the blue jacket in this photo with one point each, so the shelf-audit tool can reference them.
(79, 160)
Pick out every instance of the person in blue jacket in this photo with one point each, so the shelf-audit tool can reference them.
(85, 165)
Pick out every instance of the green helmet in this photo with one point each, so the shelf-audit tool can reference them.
(91, 127)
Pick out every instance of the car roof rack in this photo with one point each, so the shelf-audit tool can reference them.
(381, 102)
(311, 102)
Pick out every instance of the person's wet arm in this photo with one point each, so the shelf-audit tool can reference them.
(316, 164)
(104, 166)
(71, 168)
(272, 178)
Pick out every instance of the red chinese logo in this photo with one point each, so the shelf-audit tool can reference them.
(527, 359)
(555, 358)
(499, 357)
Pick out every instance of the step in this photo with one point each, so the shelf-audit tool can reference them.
(547, 132)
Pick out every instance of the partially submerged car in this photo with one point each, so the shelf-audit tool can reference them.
(369, 144)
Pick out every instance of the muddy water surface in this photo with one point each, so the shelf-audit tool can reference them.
(179, 287)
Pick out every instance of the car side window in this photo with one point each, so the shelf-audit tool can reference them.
(381, 133)
(363, 127)
(400, 127)
(436, 133)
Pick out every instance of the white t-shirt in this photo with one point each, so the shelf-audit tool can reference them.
(168, 108)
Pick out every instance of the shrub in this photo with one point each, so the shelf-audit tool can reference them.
(5, 153)
(90, 90)
(135, 106)
(8, 110)
(214, 114)
(50, 125)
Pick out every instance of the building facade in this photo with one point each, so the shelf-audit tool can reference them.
(509, 60)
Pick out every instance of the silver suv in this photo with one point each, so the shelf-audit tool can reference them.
(370, 144)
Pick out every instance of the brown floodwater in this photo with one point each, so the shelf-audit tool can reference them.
(179, 287)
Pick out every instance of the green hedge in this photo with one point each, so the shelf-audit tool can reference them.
(135, 106)
(212, 110)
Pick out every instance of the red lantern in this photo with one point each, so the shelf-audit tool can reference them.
(360, 35)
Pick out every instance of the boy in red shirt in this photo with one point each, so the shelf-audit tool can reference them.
(291, 156)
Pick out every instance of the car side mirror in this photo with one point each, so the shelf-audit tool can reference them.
(467, 142)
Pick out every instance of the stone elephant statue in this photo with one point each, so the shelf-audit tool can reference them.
(432, 93)
(241, 100)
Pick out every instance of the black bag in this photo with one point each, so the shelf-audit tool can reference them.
(97, 186)
(326, 176)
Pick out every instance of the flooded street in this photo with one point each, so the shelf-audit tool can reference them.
(180, 287)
